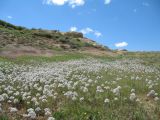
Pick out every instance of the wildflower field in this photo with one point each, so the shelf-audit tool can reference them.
(81, 87)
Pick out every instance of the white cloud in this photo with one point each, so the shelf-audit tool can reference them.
(107, 2)
(9, 17)
(121, 44)
(72, 3)
(91, 31)
(145, 4)
(86, 30)
(73, 29)
(97, 34)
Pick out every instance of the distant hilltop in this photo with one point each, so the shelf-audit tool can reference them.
(15, 39)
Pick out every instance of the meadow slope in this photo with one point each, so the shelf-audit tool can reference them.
(80, 87)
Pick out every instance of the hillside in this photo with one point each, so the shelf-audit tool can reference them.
(20, 40)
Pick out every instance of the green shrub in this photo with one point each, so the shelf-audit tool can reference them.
(10, 26)
(43, 34)
(74, 34)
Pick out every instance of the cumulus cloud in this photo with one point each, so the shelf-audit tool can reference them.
(91, 31)
(107, 2)
(72, 3)
(145, 4)
(121, 44)
(86, 30)
(9, 17)
(97, 34)
(73, 29)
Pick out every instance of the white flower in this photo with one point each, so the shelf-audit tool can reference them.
(36, 103)
(132, 97)
(5, 96)
(81, 99)
(85, 89)
(1, 98)
(9, 101)
(46, 109)
(107, 87)
(47, 113)
(11, 98)
(116, 91)
(151, 93)
(115, 98)
(156, 99)
(99, 89)
(156, 94)
(25, 115)
(51, 118)
(30, 109)
(32, 114)
(137, 100)
(71, 95)
(106, 100)
(13, 110)
(132, 90)
(15, 101)
(34, 99)
(38, 109)
(44, 100)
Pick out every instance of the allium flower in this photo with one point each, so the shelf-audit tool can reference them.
(107, 87)
(30, 109)
(5, 96)
(44, 100)
(1, 98)
(15, 101)
(47, 112)
(99, 89)
(11, 98)
(25, 115)
(34, 99)
(151, 93)
(132, 97)
(71, 95)
(137, 100)
(85, 89)
(116, 91)
(106, 100)
(115, 98)
(132, 90)
(32, 114)
(156, 98)
(51, 118)
(81, 99)
(38, 109)
(13, 110)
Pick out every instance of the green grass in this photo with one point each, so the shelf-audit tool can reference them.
(39, 59)
(93, 106)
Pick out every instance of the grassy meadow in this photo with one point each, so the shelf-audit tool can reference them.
(81, 87)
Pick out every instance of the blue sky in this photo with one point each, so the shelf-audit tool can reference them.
(129, 24)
